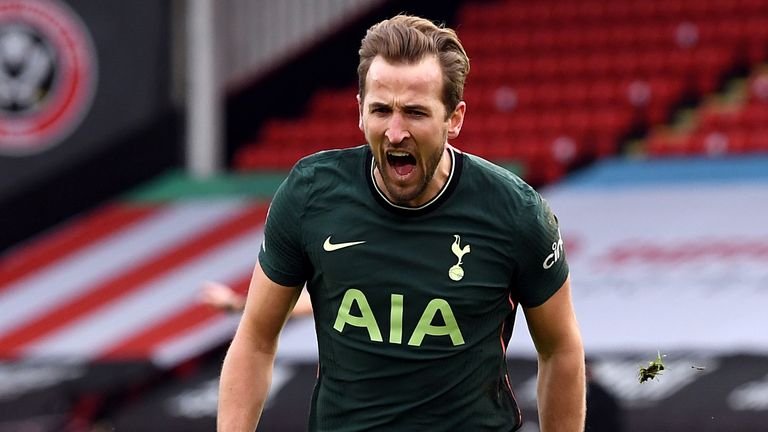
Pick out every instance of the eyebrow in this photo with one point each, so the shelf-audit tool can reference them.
(375, 105)
(417, 107)
(409, 107)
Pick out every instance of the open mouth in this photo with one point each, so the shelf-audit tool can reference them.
(402, 162)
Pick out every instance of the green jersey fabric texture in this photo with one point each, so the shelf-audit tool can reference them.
(413, 307)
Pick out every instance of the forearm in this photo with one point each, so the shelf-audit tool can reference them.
(562, 391)
(245, 379)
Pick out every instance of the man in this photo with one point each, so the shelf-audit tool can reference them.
(416, 257)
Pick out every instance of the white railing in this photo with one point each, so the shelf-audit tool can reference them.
(257, 35)
(231, 42)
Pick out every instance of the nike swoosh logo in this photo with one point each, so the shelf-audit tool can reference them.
(330, 247)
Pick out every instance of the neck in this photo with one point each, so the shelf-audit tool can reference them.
(442, 173)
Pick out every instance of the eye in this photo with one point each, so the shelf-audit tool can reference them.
(378, 109)
(416, 113)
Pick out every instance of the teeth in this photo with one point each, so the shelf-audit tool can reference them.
(398, 153)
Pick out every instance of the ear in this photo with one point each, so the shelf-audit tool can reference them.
(456, 120)
(360, 113)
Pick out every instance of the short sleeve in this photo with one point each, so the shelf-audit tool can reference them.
(282, 256)
(542, 267)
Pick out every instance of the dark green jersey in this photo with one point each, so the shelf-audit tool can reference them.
(413, 307)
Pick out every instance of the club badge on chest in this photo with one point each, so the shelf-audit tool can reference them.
(456, 273)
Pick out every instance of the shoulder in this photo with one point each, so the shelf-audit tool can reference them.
(325, 173)
(506, 188)
(326, 166)
(332, 159)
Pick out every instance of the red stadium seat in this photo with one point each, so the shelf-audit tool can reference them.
(590, 70)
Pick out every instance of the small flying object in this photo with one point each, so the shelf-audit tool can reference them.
(654, 368)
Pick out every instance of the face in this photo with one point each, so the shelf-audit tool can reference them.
(404, 121)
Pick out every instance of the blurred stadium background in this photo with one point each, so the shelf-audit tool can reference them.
(140, 143)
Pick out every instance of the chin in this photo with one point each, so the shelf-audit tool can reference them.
(405, 196)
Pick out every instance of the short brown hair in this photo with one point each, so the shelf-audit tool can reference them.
(409, 39)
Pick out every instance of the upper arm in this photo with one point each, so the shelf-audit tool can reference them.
(267, 308)
(539, 254)
(281, 268)
(553, 324)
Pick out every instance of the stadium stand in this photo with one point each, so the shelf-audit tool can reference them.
(731, 123)
(558, 84)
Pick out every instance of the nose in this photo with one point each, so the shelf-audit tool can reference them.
(396, 129)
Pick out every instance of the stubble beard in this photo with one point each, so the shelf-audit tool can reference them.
(400, 197)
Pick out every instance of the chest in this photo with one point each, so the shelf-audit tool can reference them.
(459, 258)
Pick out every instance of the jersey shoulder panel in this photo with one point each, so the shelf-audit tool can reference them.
(283, 257)
(510, 191)
(531, 226)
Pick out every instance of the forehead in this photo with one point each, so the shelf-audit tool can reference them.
(419, 82)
